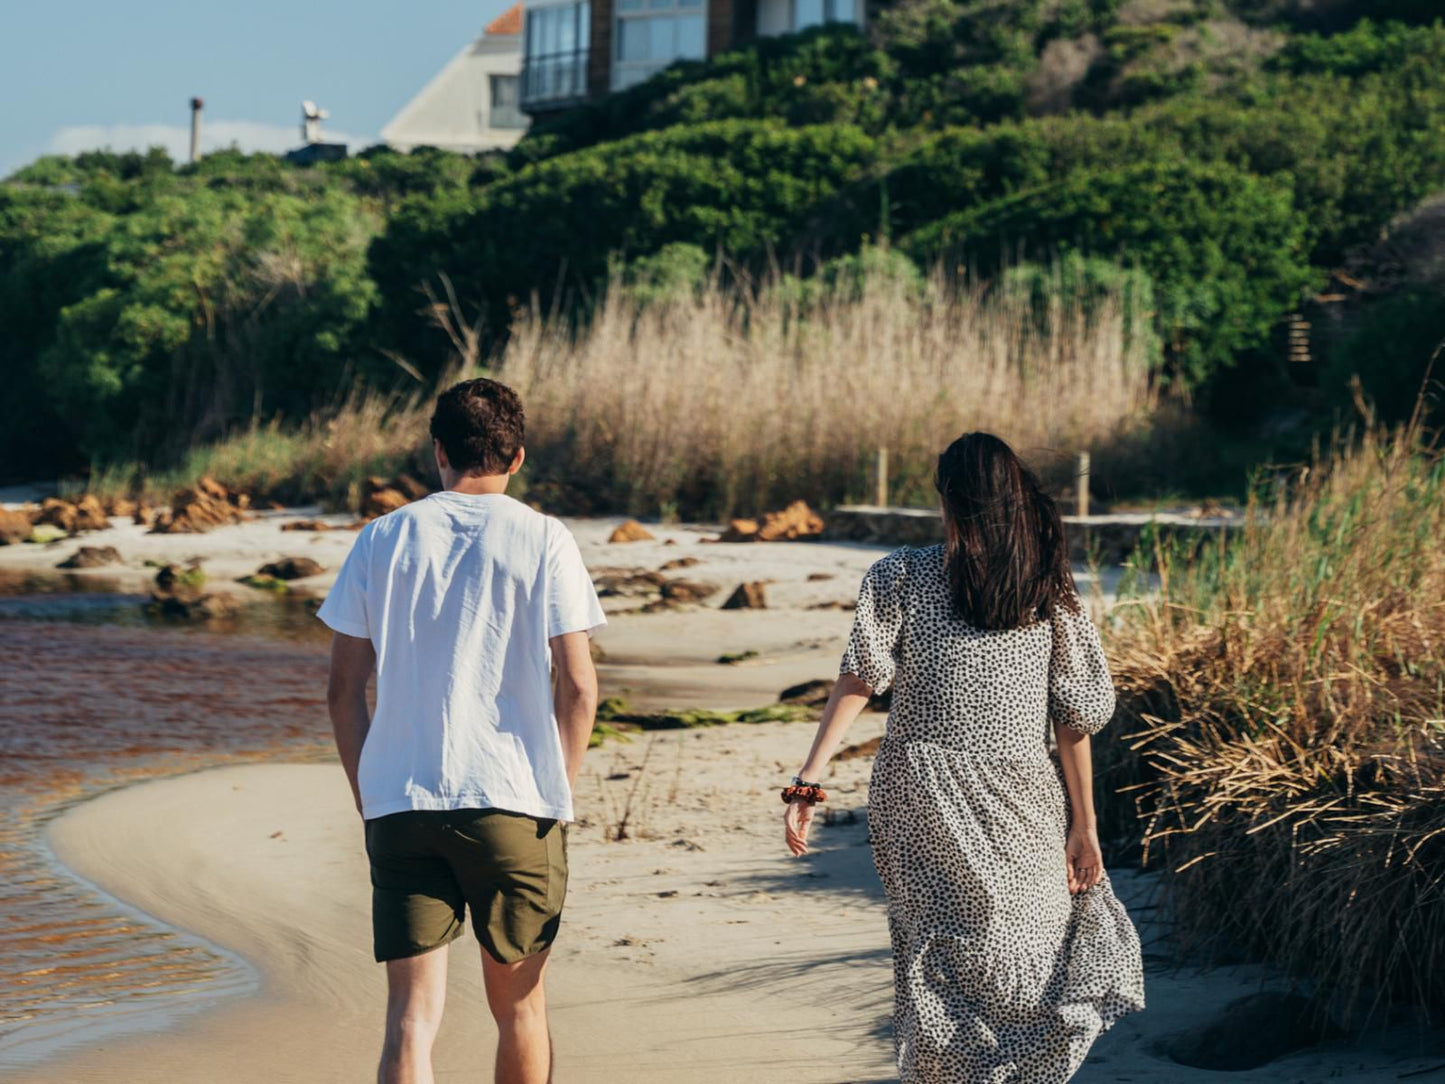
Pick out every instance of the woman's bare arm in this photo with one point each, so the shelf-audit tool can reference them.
(1085, 863)
(848, 698)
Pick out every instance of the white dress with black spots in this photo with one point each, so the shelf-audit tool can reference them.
(1000, 975)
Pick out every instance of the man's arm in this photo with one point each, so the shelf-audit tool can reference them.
(575, 697)
(352, 660)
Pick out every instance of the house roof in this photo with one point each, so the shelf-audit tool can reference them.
(508, 22)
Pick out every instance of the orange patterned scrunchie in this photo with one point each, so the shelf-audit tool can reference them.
(812, 794)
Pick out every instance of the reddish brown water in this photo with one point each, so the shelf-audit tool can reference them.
(92, 696)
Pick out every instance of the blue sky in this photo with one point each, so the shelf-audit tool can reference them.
(87, 73)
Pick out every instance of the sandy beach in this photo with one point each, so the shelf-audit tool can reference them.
(693, 949)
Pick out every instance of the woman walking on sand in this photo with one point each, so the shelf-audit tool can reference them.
(1011, 954)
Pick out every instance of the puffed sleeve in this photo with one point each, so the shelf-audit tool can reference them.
(872, 652)
(1081, 692)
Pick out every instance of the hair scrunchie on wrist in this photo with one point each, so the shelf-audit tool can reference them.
(810, 793)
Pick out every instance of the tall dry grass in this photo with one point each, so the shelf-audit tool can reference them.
(729, 399)
(720, 400)
(1283, 701)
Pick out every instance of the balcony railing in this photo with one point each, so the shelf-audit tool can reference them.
(554, 79)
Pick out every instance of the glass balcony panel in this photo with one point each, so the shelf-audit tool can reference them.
(632, 39)
(661, 38)
(691, 37)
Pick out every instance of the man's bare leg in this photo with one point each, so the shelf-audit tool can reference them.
(416, 993)
(519, 1005)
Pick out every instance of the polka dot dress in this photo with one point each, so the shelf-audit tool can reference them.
(1000, 975)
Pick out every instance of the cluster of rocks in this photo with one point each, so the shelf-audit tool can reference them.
(277, 575)
(179, 592)
(206, 505)
(662, 592)
(796, 521)
(203, 506)
(87, 513)
(659, 591)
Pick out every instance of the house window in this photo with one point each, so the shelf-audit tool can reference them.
(505, 110)
(808, 13)
(651, 34)
(554, 61)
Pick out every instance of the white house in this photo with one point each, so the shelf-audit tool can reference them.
(472, 104)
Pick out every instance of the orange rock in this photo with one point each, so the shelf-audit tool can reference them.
(381, 501)
(631, 531)
(740, 530)
(90, 514)
(793, 522)
(747, 596)
(206, 505)
(15, 527)
(378, 497)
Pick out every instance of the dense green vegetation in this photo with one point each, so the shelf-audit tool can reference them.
(1231, 153)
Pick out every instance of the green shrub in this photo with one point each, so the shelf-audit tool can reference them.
(1388, 346)
(1223, 249)
(151, 309)
(745, 187)
(1367, 47)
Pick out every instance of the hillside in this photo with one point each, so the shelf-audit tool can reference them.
(1236, 153)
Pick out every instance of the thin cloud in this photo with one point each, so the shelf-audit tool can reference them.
(216, 135)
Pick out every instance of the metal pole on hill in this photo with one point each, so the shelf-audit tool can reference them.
(1081, 482)
(880, 478)
(196, 105)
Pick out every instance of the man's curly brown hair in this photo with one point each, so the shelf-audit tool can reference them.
(481, 425)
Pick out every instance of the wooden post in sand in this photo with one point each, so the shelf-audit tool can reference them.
(1081, 482)
(880, 478)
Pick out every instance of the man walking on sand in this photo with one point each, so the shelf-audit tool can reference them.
(473, 609)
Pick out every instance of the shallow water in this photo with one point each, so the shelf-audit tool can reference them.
(95, 694)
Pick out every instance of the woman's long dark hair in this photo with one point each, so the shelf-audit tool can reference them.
(1005, 554)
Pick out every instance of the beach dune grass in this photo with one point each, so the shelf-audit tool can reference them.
(1281, 752)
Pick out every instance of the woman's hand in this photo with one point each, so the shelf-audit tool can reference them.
(1083, 859)
(796, 821)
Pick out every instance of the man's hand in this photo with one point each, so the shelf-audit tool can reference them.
(352, 661)
(575, 697)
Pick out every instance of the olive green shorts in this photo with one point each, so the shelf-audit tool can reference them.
(429, 866)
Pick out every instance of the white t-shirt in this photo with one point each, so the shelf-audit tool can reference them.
(459, 594)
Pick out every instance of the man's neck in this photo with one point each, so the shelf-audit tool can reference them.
(477, 484)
